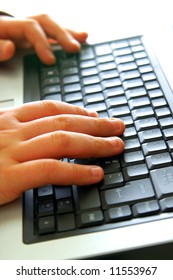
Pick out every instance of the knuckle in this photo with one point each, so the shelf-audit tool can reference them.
(48, 168)
(98, 144)
(64, 122)
(49, 106)
(30, 22)
(44, 16)
(60, 139)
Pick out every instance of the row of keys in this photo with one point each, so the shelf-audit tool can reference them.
(89, 197)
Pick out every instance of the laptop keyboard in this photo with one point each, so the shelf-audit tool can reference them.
(117, 79)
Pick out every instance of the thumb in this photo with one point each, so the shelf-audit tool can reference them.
(7, 49)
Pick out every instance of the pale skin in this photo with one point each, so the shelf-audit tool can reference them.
(35, 137)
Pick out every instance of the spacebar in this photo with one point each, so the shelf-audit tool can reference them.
(132, 192)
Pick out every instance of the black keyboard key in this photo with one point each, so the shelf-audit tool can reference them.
(64, 205)
(158, 160)
(46, 208)
(109, 165)
(46, 225)
(71, 79)
(112, 181)
(133, 83)
(86, 53)
(152, 84)
(142, 61)
(91, 218)
(55, 97)
(140, 54)
(139, 102)
(92, 89)
(159, 102)
(103, 49)
(127, 66)
(155, 93)
(154, 147)
(162, 112)
(89, 71)
(131, 193)
(148, 76)
(70, 71)
(149, 135)
(124, 59)
(170, 145)
(119, 111)
(50, 81)
(64, 199)
(93, 98)
(131, 158)
(168, 133)
(136, 92)
(166, 122)
(62, 192)
(107, 66)
(104, 75)
(163, 181)
(76, 96)
(142, 113)
(51, 90)
(166, 204)
(116, 101)
(98, 107)
(135, 172)
(146, 208)
(131, 144)
(87, 63)
(72, 88)
(66, 222)
(129, 75)
(110, 83)
(147, 123)
(49, 72)
(86, 198)
(118, 213)
(122, 51)
(130, 132)
(45, 192)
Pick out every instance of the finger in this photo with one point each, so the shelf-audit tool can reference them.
(79, 36)
(40, 109)
(41, 172)
(67, 144)
(7, 50)
(30, 30)
(81, 124)
(62, 35)
(37, 37)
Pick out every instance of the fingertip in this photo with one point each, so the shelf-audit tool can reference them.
(117, 144)
(7, 50)
(82, 37)
(97, 173)
(119, 126)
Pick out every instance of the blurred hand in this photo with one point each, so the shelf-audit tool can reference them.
(38, 32)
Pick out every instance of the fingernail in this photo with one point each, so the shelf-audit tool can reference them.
(97, 172)
(50, 57)
(118, 124)
(93, 113)
(117, 144)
